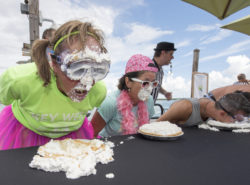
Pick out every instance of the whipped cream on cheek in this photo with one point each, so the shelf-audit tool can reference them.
(144, 93)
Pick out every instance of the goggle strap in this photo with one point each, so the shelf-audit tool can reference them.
(64, 37)
(72, 33)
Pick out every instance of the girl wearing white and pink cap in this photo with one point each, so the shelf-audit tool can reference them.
(126, 109)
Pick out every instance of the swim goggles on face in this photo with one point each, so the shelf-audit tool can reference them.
(76, 64)
(79, 69)
(226, 111)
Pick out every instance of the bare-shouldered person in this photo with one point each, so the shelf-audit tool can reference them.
(219, 92)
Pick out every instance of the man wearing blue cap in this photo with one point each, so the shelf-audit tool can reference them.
(163, 55)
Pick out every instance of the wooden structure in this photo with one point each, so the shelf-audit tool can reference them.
(196, 60)
(195, 67)
(31, 8)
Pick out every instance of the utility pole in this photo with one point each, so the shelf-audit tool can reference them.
(31, 8)
(196, 60)
(34, 20)
(195, 69)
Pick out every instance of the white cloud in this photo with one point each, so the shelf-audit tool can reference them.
(120, 50)
(217, 78)
(183, 43)
(219, 36)
(135, 2)
(181, 87)
(202, 28)
(101, 16)
(121, 4)
(139, 40)
(235, 48)
(237, 64)
(142, 33)
(14, 30)
(139, 2)
(111, 81)
(188, 54)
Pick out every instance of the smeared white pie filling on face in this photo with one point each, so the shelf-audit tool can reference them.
(88, 66)
(78, 93)
(76, 157)
(144, 93)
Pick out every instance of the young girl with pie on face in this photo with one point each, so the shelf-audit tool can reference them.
(51, 99)
(131, 106)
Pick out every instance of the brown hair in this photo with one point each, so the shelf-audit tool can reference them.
(39, 46)
(122, 85)
(157, 53)
(234, 102)
(48, 33)
(241, 76)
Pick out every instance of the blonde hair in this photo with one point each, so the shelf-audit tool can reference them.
(85, 29)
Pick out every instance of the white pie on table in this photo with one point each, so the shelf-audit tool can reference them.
(161, 129)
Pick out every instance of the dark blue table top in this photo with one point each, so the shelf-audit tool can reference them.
(198, 157)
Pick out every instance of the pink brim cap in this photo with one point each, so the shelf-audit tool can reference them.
(139, 62)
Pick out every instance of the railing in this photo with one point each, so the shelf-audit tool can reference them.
(161, 106)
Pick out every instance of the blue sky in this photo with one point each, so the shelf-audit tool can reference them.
(136, 26)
